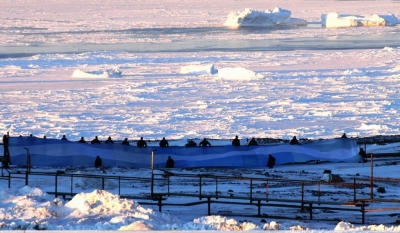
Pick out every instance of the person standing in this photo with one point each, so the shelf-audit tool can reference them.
(204, 143)
(141, 143)
(271, 161)
(164, 143)
(109, 140)
(82, 140)
(236, 141)
(98, 162)
(170, 163)
(125, 142)
(363, 155)
(7, 156)
(253, 142)
(294, 141)
(95, 140)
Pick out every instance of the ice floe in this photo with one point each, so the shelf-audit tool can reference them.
(336, 20)
(268, 18)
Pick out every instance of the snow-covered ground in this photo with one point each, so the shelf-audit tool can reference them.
(182, 74)
(29, 207)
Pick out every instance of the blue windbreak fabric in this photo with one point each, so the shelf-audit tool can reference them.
(58, 153)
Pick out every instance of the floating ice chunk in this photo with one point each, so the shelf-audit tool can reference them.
(372, 127)
(355, 72)
(110, 73)
(336, 20)
(238, 73)
(254, 18)
(199, 69)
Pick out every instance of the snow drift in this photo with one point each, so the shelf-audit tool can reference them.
(334, 19)
(254, 18)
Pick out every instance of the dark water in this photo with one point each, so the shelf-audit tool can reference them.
(205, 39)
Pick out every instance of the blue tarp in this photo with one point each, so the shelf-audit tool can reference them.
(58, 153)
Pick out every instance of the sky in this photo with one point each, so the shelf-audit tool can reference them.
(158, 64)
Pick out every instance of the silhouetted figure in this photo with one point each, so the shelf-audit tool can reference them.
(236, 141)
(44, 137)
(82, 140)
(98, 162)
(191, 143)
(141, 143)
(109, 140)
(64, 138)
(204, 143)
(125, 142)
(344, 136)
(164, 143)
(7, 156)
(294, 141)
(253, 142)
(271, 161)
(170, 163)
(363, 155)
(95, 140)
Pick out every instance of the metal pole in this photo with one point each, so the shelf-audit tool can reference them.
(28, 161)
(371, 179)
(354, 189)
(251, 191)
(152, 173)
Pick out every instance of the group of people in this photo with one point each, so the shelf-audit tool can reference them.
(164, 143)
(140, 143)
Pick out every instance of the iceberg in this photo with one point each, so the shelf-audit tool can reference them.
(336, 20)
(254, 18)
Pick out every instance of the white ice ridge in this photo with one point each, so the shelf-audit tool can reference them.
(335, 20)
(254, 18)
(110, 73)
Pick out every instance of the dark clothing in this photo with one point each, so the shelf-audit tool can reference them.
(363, 154)
(164, 143)
(271, 161)
(294, 141)
(5, 141)
(109, 140)
(7, 156)
(170, 163)
(191, 143)
(125, 142)
(82, 140)
(141, 143)
(253, 142)
(236, 142)
(204, 143)
(98, 162)
(96, 141)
